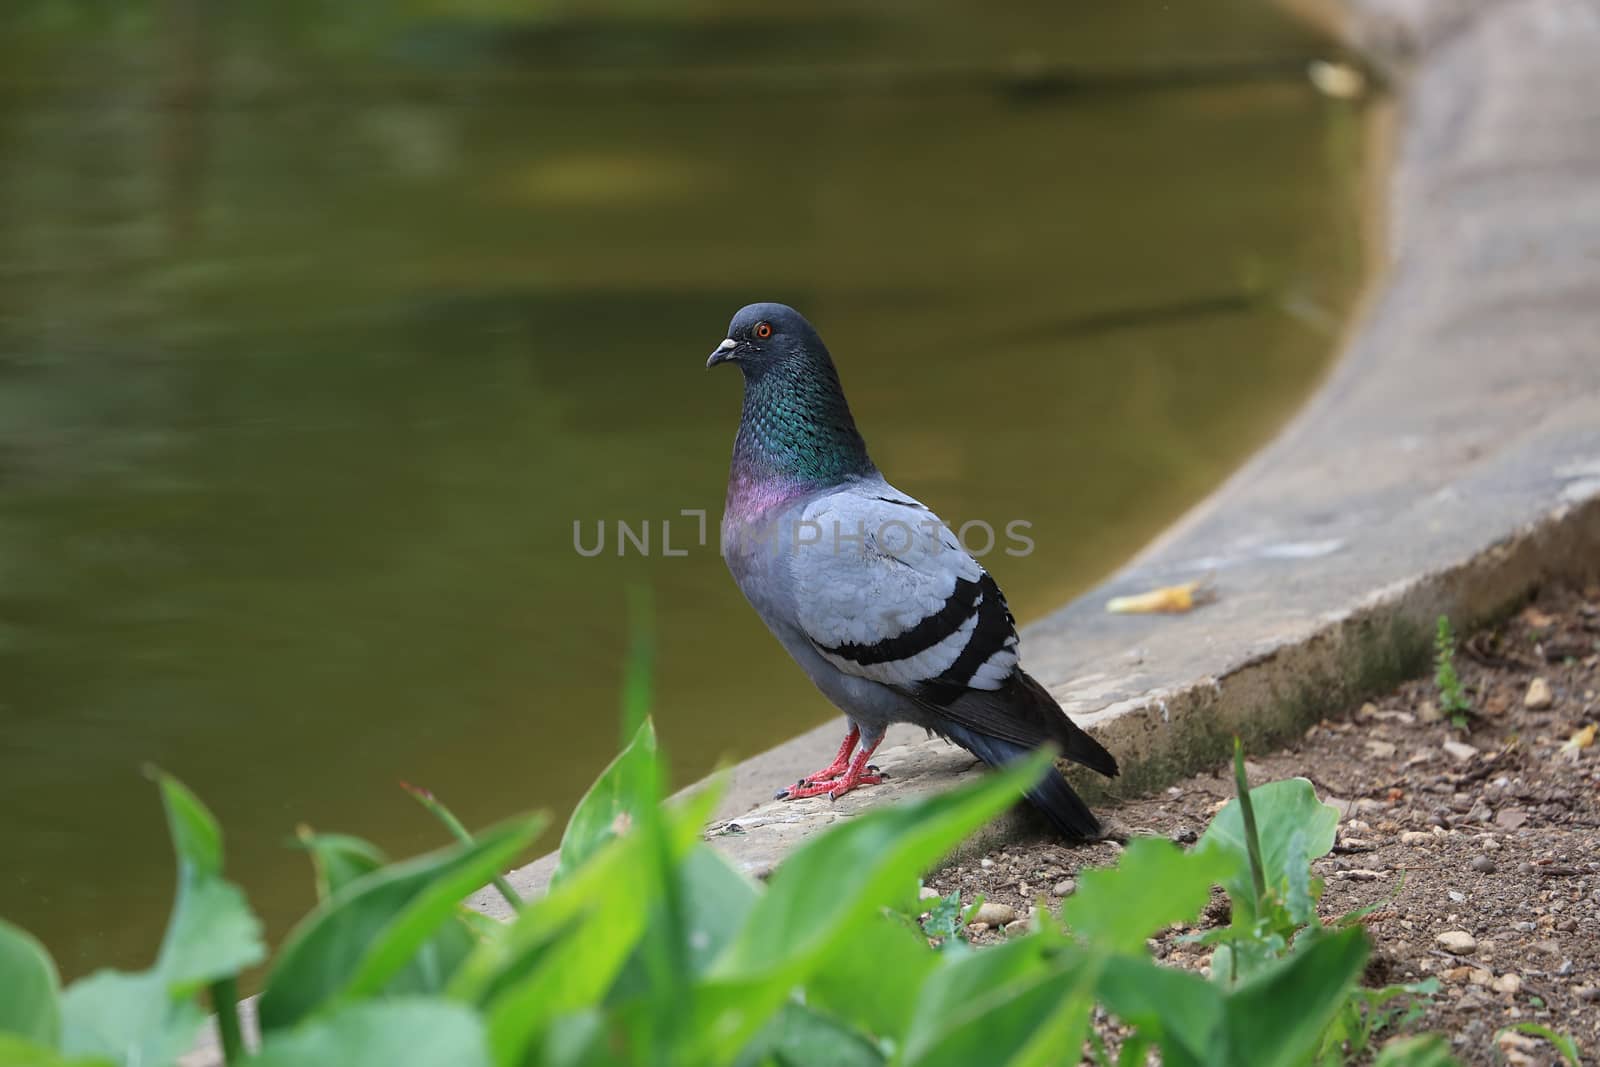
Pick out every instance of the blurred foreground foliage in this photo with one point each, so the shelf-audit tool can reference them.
(649, 948)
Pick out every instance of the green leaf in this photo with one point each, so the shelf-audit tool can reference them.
(212, 933)
(715, 899)
(403, 1032)
(1017, 1004)
(823, 891)
(1154, 884)
(29, 1007)
(1423, 1050)
(359, 939)
(1300, 896)
(1276, 1018)
(843, 986)
(18, 1051)
(565, 950)
(870, 862)
(196, 838)
(802, 1037)
(1179, 1010)
(129, 1018)
(1281, 809)
(612, 803)
(339, 859)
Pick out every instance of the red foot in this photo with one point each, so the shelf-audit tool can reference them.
(858, 774)
(840, 762)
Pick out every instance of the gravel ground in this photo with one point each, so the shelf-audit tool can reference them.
(1481, 846)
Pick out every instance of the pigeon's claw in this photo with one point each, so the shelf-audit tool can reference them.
(840, 764)
(832, 790)
(859, 773)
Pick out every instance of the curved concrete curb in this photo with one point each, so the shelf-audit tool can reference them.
(1450, 464)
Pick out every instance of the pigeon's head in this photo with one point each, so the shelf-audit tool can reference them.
(767, 335)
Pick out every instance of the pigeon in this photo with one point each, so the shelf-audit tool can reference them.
(865, 587)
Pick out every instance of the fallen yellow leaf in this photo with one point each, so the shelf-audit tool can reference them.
(1168, 600)
(1578, 741)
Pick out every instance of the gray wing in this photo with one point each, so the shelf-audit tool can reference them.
(885, 591)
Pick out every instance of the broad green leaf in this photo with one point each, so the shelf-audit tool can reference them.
(18, 1051)
(842, 985)
(196, 838)
(355, 942)
(582, 1039)
(1276, 1018)
(564, 951)
(715, 900)
(1154, 884)
(1177, 1009)
(1422, 1050)
(128, 1018)
(1016, 1005)
(800, 1035)
(825, 889)
(432, 966)
(212, 933)
(29, 1005)
(1300, 898)
(1282, 809)
(402, 1032)
(339, 859)
(612, 803)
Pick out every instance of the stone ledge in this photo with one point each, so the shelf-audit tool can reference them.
(1449, 464)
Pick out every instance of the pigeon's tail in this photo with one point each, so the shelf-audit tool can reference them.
(1053, 796)
(1000, 725)
(1074, 742)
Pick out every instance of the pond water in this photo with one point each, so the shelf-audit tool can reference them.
(317, 337)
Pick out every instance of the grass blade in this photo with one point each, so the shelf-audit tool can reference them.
(448, 818)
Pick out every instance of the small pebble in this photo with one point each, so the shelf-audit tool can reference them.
(1065, 888)
(1507, 983)
(1016, 927)
(1587, 992)
(1416, 837)
(1457, 942)
(1482, 864)
(1457, 897)
(992, 913)
(1539, 697)
(927, 892)
(1458, 750)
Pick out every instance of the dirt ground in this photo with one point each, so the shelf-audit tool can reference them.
(1489, 835)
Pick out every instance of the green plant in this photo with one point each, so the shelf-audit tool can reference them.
(650, 949)
(1452, 696)
(1564, 1043)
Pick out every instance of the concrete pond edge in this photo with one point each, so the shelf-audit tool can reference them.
(1448, 465)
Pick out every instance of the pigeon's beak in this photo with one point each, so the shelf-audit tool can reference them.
(723, 353)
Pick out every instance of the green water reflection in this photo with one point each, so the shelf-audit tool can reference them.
(317, 336)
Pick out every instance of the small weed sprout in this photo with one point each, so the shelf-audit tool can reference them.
(1452, 697)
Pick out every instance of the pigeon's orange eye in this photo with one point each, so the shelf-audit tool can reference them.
(763, 330)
